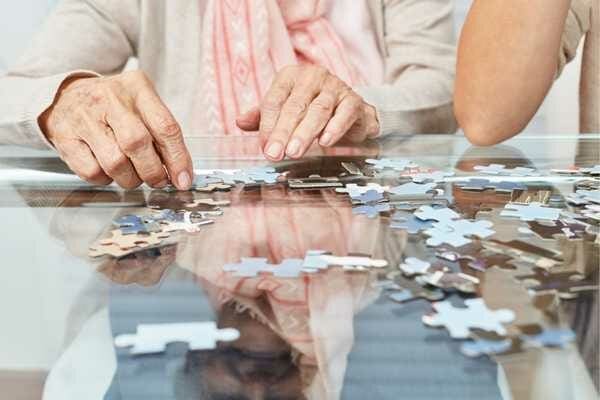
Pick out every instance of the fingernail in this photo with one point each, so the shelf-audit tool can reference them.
(326, 139)
(293, 148)
(274, 150)
(184, 180)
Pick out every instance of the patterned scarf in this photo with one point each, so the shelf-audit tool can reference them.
(245, 42)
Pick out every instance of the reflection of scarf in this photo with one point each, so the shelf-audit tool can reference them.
(246, 41)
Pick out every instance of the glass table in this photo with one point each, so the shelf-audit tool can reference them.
(331, 334)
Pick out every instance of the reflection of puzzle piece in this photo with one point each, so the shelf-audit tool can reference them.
(435, 176)
(251, 267)
(317, 260)
(567, 285)
(595, 170)
(427, 213)
(413, 266)
(456, 233)
(530, 212)
(119, 244)
(480, 347)
(409, 223)
(483, 184)
(154, 338)
(185, 224)
(411, 290)
(500, 169)
(397, 164)
(371, 210)
(132, 224)
(412, 189)
(449, 280)
(213, 187)
(571, 230)
(581, 197)
(549, 338)
(353, 190)
(459, 321)
(208, 202)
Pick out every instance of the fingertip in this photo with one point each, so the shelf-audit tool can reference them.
(184, 180)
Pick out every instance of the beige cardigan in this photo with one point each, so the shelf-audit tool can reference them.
(100, 36)
(584, 21)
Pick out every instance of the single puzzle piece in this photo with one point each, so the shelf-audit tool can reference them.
(549, 338)
(203, 181)
(154, 338)
(582, 197)
(133, 224)
(500, 169)
(409, 223)
(459, 321)
(316, 260)
(248, 176)
(213, 187)
(396, 164)
(371, 210)
(315, 182)
(413, 266)
(249, 267)
(595, 170)
(571, 229)
(457, 232)
(353, 190)
(185, 224)
(443, 214)
(207, 202)
(411, 290)
(435, 176)
(480, 347)
(567, 285)
(412, 189)
(119, 244)
(531, 212)
(479, 185)
(369, 197)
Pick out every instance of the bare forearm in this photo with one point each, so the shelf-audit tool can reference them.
(507, 61)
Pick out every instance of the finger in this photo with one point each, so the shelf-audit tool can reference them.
(318, 114)
(271, 108)
(292, 112)
(167, 134)
(101, 140)
(250, 120)
(346, 114)
(80, 160)
(136, 143)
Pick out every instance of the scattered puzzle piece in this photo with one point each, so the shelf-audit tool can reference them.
(549, 338)
(409, 223)
(531, 212)
(444, 214)
(119, 244)
(133, 224)
(413, 266)
(483, 184)
(396, 164)
(353, 190)
(410, 290)
(450, 280)
(567, 285)
(480, 347)
(412, 189)
(500, 169)
(371, 210)
(154, 338)
(435, 176)
(459, 321)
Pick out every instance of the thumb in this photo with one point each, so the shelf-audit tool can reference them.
(250, 120)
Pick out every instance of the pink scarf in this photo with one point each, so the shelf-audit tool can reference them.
(246, 41)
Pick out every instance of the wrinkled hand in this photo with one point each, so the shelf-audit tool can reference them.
(117, 128)
(304, 104)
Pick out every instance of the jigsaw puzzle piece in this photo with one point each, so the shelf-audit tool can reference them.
(396, 164)
(353, 190)
(409, 223)
(371, 210)
(459, 321)
(549, 338)
(249, 267)
(133, 224)
(531, 212)
(480, 347)
(154, 338)
(411, 290)
(429, 213)
(412, 189)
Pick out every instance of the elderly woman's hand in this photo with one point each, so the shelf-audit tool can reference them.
(117, 128)
(307, 103)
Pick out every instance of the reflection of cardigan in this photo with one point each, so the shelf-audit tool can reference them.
(416, 39)
(584, 20)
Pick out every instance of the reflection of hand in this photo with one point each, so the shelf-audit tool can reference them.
(117, 129)
(306, 103)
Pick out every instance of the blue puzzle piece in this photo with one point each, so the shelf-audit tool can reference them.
(550, 338)
(371, 210)
(481, 347)
(134, 224)
(409, 223)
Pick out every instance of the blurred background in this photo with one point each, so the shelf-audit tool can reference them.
(559, 114)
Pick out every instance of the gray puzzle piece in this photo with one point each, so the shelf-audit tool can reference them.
(550, 338)
(412, 189)
(371, 210)
(531, 211)
(249, 267)
(396, 164)
(409, 223)
(477, 348)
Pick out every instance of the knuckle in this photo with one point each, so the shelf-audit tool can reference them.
(295, 106)
(135, 143)
(117, 164)
(272, 103)
(168, 128)
(323, 104)
(91, 173)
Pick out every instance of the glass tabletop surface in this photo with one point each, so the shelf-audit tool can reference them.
(312, 287)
